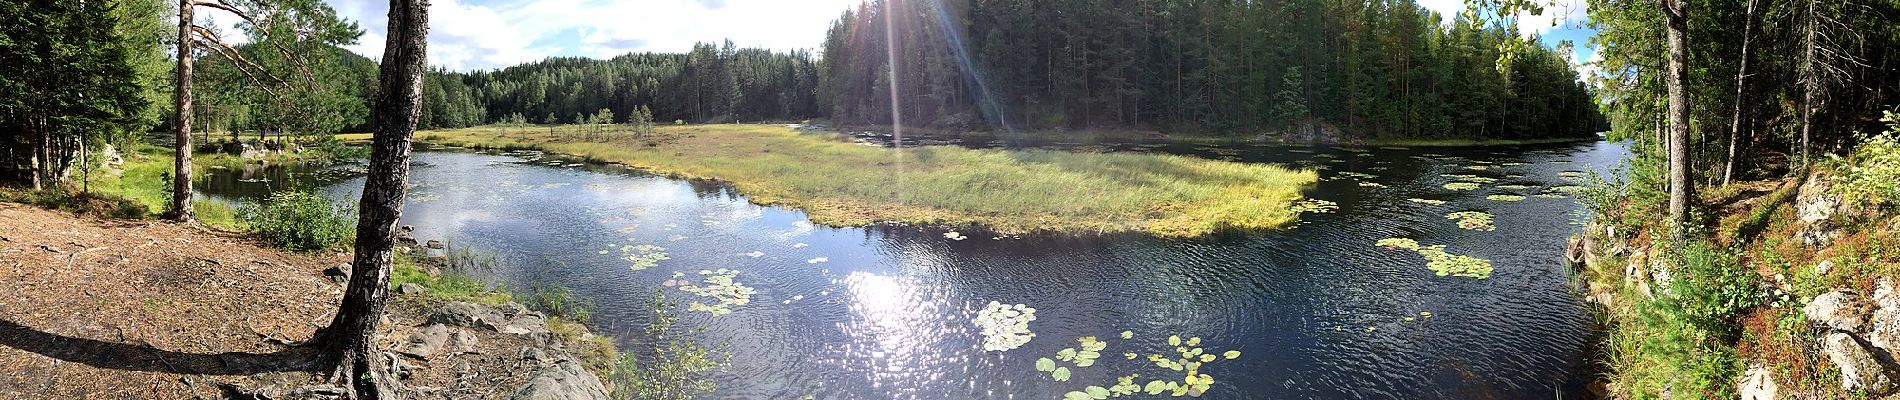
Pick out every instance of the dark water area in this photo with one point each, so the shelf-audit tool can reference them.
(885, 312)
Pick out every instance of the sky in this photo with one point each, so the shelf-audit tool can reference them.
(468, 35)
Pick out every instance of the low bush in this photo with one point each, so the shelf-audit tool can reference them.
(300, 221)
(1871, 175)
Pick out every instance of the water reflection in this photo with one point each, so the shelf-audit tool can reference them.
(887, 313)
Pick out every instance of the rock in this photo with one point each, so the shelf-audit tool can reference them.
(562, 380)
(427, 342)
(1824, 267)
(1815, 209)
(1758, 384)
(406, 235)
(471, 315)
(1859, 369)
(410, 289)
(462, 342)
(1839, 309)
(512, 309)
(434, 244)
(526, 324)
(1884, 326)
(339, 273)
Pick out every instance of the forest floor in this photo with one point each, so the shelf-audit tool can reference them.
(842, 183)
(140, 309)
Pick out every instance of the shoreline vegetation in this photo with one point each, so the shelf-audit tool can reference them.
(840, 183)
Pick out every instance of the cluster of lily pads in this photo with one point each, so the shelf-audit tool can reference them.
(1441, 262)
(1189, 359)
(722, 290)
(1315, 206)
(1571, 176)
(1083, 356)
(1473, 220)
(1461, 186)
(1504, 197)
(1005, 327)
(1427, 201)
(641, 256)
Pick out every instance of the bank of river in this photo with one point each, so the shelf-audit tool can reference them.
(1315, 310)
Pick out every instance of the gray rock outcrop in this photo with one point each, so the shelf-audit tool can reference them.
(564, 379)
(1859, 369)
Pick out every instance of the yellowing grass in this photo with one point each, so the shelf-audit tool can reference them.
(845, 184)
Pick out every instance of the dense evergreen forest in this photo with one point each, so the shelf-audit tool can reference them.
(1375, 69)
(1379, 69)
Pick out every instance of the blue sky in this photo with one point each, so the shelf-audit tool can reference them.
(486, 34)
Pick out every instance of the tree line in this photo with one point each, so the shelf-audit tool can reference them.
(1375, 69)
(1766, 86)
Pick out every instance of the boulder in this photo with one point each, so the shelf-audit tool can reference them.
(1758, 384)
(1840, 309)
(471, 315)
(564, 379)
(526, 324)
(1824, 267)
(410, 289)
(1859, 369)
(1815, 208)
(427, 342)
(1883, 329)
(406, 235)
(435, 245)
(339, 273)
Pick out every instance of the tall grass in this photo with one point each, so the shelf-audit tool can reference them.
(842, 183)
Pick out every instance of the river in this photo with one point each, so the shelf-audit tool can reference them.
(1316, 310)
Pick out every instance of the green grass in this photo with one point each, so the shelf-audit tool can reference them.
(845, 184)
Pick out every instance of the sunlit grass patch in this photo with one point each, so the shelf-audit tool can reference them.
(843, 184)
(1473, 220)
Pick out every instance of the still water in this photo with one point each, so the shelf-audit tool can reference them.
(884, 312)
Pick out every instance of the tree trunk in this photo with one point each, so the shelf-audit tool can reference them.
(1741, 77)
(1808, 84)
(351, 347)
(180, 209)
(1680, 183)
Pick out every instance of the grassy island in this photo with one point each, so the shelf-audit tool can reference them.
(842, 183)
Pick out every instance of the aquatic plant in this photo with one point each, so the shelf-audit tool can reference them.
(1504, 197)
(1427, 201)
(1461, 186)
(1515, 187)
(1357, 175)
(1316, 206)
(1473, 220)
(1371, 184)
(1398, 243)
(1005, 327)
(641, 257)
(720, 288)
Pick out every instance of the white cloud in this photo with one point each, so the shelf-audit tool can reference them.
(466, 35)
(1564, 14)
(1589, 69)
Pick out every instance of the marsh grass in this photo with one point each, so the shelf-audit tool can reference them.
(840, 183)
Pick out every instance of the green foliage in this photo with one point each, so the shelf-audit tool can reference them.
(68, 82)
(300, 221)
(671, 365)
(1711, 287)
(463, 277)
(1871, 175)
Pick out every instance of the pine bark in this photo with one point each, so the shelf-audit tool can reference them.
(180, 208)
(351, 345)
(1680, 182)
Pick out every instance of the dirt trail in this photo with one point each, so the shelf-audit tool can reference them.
(118, 309)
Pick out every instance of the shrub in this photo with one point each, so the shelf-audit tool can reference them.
(671, 367)
(300, 221)
(1872, 174)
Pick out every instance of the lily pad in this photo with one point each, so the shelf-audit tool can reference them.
(1427, 201)
(1473, 220)
(1461, 186)
(1504, 197)
(1005, 327)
